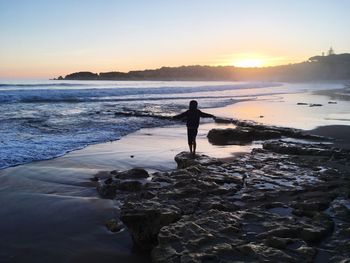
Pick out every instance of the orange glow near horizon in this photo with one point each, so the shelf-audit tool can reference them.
(254, 60)
(249, 63)
(45, 68)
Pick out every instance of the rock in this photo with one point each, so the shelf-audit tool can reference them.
(107, 190)
(229, 136)
(313, 234)
(145, 219)
(240, 135)
(222, 120)
(332, 102)
(209, 237)
(240, 210)
(265, 254)
(312, 205)
(302, 103)
(185, 159)
(129, 185)
(307, 213)
(135, 173)
(283, 232)
(307, 253)
(315, 105)
(94, 179)
(321, 227)
(277, 242)
(302, 149)
(341, 210)
(287, 132)
(108, 180)
(114, 226)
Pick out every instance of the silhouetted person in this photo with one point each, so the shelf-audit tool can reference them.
(192, 116)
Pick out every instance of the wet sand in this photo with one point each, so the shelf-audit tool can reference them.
(50, 210)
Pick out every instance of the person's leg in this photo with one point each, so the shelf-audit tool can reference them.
(194, 143)
(189, 139)
(190, 146)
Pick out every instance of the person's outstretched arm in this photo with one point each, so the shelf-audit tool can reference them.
(207, 115)
(181, 115)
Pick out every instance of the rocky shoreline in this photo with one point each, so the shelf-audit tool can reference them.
(286, 202)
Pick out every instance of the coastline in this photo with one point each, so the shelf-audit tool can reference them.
(286, 202)
(62, 186)
(58, 193)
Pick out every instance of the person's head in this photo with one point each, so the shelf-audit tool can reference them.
(193, 105)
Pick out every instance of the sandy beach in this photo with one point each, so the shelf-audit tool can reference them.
(51, 210)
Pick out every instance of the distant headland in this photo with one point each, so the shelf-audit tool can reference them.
(317, 68)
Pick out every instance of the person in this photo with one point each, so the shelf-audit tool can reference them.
(193, 115)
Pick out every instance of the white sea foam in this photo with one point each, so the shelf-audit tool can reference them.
(12, 93)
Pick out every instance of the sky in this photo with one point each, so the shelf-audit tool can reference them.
(48, 38)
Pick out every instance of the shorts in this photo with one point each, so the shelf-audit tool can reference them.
(191, 135)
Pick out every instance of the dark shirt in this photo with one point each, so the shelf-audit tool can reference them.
(193, 117)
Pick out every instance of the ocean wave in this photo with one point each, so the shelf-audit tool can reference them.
(28, 143)
(43, 123)
(109, 94)
(33, 85)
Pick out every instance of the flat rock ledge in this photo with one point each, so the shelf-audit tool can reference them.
(266, 206)
(248, 131)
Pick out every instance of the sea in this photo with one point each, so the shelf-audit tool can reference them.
(44, 119)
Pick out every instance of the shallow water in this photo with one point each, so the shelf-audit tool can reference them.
(283, 109)
(42, 120)
(45, 119)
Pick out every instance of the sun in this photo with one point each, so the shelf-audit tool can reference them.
(249, 63)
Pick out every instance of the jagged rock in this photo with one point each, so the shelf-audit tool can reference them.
(135, 173)
(109, 190)
(262, 206)
(218, 204)
(129, 185)
(340, 207)
(264, 253)
(145, 219)
(303, 149)
(197, 238)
